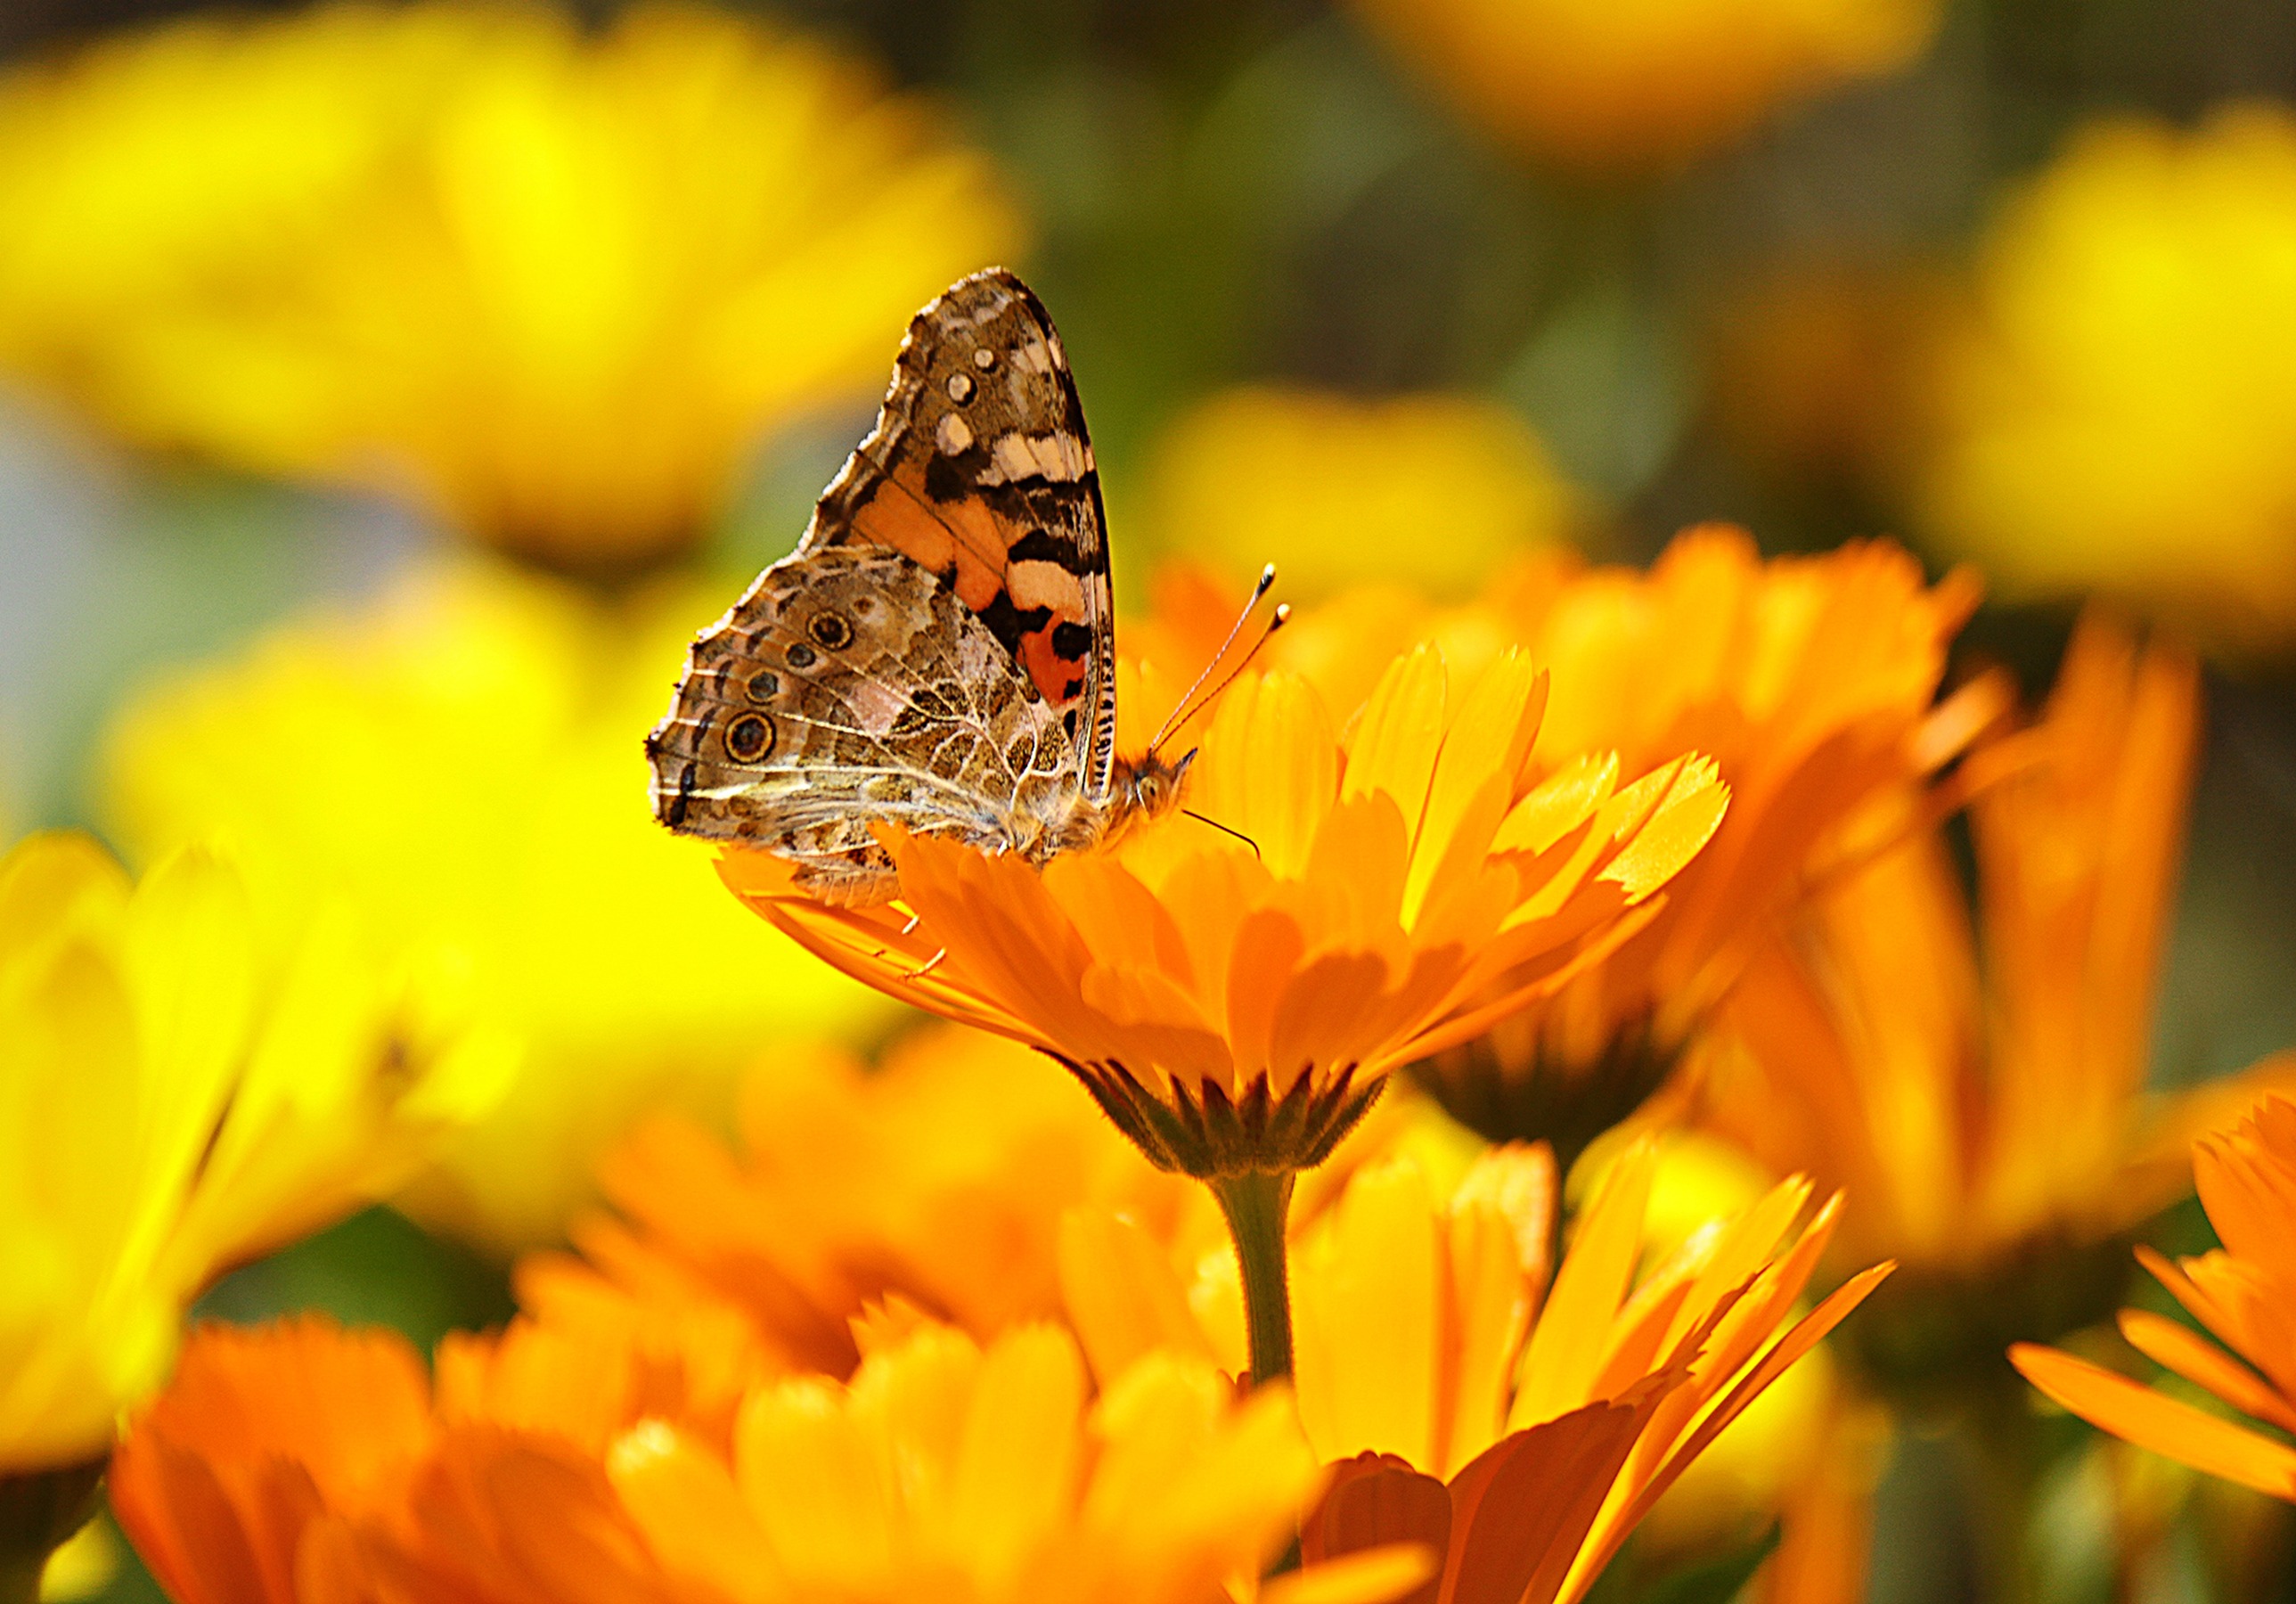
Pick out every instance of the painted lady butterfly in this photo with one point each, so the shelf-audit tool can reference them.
(940, 650)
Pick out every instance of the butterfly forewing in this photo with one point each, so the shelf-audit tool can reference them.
(980, 470)
(939, 651)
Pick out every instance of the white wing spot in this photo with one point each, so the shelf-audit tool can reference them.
(1059, 457)
(960, 387)
(953, 435)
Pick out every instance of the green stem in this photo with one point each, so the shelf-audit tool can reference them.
(1256, 1204)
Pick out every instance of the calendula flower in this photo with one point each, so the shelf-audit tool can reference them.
(303, 1460)
(300, 1460)
(1973, 1118)
(1233, 997)
(1430, 490)
(1015, 1484)
(552, 283)
(1519, 1430)
(2119, 415)
(2243, 1293)
(455, 761)
(936, 1178)
(182, 1094)
(1630, 90)
(1990, 1122)
(1234, 1002)
(1810, 682)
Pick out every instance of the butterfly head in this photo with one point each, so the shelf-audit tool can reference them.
(1148, 787)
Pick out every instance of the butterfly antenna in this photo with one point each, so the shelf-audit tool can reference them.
(1224, 830)
(1182, 709)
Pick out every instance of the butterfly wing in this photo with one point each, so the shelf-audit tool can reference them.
(980, 470)
(850, 686)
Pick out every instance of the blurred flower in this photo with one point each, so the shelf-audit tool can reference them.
(2244, 1293)
(1972, 1118)
(938, 1178)
(1818, 373)
(1990, 1125)
(456, 762)
(183, 1093)
(302, 1461)
(554, 284)
(1428, 491)
(1519, 1430)
(1810, 683)
(2122, 415)
(1629, 90)
(1234, 1005)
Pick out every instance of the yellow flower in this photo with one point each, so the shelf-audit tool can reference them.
(2121, 414)
(553, 1465)
(1234, 1005)
(2244, 1293)
(1520, 1429)
(182, 1093)
(552, 284)
(1429, 490)
(1648, 86)
(946, 1468)
(1810, 681)
(456, 762)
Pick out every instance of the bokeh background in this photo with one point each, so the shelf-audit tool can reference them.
(385, 392)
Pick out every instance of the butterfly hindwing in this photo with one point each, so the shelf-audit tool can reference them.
(981, 471)
(850, 686)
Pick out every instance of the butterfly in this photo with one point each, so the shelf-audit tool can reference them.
(939, 651)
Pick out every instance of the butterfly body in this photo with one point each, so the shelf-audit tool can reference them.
(939, 651)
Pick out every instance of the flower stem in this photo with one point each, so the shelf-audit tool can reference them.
(1256, 1203)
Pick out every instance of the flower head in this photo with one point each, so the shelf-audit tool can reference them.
(1628, 90)
(2243, 1293)
(1232, 997)
(183, 1093)
(1810, 682)
(1520, 1428)
(2118, 416)
(1994, 1134)
(935, 1179)
(454, 762)
(552, 1466)
(552, 284)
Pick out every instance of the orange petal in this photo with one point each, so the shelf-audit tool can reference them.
(2173, 1430)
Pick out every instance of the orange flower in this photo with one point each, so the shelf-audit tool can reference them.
(1810, 683)
(1990, 1123)
(936, 1178)
(2244, 1293)
(1012, 1484)
(1525, 1448)
(1970, 1118)
(300, 1460)
(303, 1462)
(1234, 1003)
